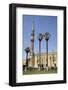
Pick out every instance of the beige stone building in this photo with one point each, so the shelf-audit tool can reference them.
(52, 60)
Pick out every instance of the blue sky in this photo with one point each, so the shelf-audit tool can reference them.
(42, 25)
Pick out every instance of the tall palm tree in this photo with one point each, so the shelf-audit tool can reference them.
(40, 37)
(47, 35)
(27, 50)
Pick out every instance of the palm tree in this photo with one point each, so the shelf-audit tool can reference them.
(47, 35)
(40, 37)
(27, 50)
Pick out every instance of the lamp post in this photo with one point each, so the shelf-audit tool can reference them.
(47, 35)
(27, 50)
(40, 37)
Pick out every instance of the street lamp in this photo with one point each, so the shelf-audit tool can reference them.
(47, 35)
(27, 50)
(40, 37)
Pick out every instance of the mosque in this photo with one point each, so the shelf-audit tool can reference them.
(39, 60)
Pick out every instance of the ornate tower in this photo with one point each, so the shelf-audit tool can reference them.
(32, 44)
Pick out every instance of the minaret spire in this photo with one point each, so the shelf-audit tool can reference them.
(33, 32)
(33, 26)
(32, 42)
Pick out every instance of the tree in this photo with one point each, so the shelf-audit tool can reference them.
(40, 37)
(27, 50)
(47, 35)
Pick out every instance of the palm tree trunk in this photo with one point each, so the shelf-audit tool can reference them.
(39, 55)
(27, 60)
(47, 53)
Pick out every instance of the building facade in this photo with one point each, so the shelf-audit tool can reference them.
(52, 60)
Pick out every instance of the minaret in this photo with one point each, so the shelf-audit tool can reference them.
(32, 44)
